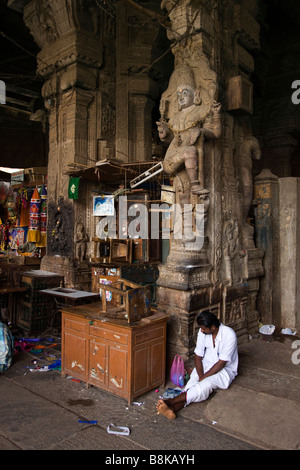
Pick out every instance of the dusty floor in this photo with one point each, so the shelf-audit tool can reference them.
(41, 410)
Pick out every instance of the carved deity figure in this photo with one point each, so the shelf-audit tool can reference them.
(185, 130)
(250, 150)
(81, 240)
(235, 257)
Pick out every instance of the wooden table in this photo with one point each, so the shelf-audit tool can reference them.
(12, 293)
(70, 297)
(64, 297)
(124, 359)
(13, 270)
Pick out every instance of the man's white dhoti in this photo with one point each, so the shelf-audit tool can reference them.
(199, 391)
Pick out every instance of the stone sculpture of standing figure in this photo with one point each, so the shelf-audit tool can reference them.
(186, 130)
(81, 240)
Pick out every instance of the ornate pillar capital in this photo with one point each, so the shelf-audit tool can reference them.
(18, 5)
(189, 20)
(67, 33)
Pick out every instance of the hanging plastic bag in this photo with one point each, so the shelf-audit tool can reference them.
(177, 371)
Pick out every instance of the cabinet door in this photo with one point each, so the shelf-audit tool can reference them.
(141, 368)
(74, 343)
(157, 363)
(117, 369)
(149, 358)
(148, 366)
(97, 363)
(74, 356)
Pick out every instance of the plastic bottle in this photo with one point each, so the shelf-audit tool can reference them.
(181, 381)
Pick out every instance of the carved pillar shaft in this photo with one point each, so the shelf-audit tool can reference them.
(136, 91)
(140, 109)
(266, 193)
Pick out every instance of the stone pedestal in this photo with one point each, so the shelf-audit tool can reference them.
(182, 307)
(184, 292)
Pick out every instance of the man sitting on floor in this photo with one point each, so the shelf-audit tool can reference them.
(216, 364)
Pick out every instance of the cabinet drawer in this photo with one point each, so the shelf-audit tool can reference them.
(110, 335)
(148, 335)
(77, 325)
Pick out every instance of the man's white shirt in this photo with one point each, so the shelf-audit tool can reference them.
(225, 349)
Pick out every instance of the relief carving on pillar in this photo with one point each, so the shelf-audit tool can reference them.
(42, 22)
(235, 310)
(234, 257)
(107, 127)
(81, 238)
(67, 33)
(50, 19)
(248, 150)
(60, 228)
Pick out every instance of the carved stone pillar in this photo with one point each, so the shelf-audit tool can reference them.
(277, 229)
(185, 280)
(289, 273)
(215, 41)
(266, 193)
(69, 61)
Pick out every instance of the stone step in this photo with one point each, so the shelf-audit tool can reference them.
(260, 418)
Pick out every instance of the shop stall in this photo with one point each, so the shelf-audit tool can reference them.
(130, 221)
(23, 219)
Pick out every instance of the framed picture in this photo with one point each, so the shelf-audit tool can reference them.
(103, 205)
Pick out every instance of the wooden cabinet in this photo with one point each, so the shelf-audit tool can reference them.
(125, 359)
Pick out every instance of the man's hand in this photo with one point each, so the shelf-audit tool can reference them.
(214, 370)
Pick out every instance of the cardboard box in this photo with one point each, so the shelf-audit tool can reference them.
(239, 95)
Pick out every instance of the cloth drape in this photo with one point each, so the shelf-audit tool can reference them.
(43, 218)
(34, 233)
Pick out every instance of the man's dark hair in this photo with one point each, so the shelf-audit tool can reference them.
(207, 319)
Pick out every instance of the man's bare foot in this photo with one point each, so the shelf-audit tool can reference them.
(163, 409)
